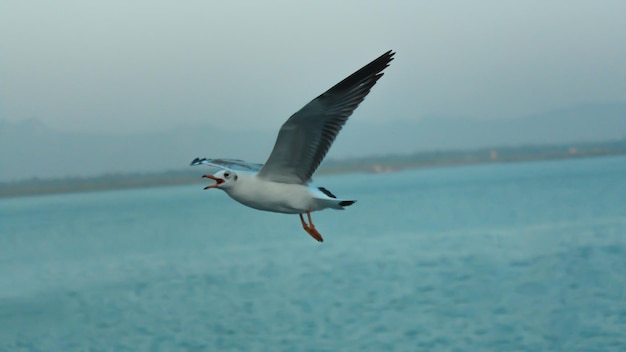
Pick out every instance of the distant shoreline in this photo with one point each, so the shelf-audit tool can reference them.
(379, 164)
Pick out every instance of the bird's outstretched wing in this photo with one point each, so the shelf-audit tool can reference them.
(305, 138)
(230, 164)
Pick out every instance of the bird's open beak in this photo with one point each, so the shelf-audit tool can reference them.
(218, 181)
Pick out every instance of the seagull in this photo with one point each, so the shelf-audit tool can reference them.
(283, 183)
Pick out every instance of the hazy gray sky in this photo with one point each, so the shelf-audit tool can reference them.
(150, 65)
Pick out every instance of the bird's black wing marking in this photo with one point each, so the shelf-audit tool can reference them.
(327, 192)
(233, 164)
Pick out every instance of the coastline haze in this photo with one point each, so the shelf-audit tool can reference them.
(31, 149)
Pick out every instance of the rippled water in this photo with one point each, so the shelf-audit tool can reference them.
(507, 257)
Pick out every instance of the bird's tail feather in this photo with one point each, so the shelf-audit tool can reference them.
(338, 204)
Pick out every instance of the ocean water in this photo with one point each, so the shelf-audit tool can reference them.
(503, 257)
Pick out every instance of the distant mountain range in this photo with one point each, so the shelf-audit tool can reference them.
(30, 149)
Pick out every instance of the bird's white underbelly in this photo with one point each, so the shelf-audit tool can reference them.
(275, 197)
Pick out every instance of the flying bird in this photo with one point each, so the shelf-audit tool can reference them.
(283, 183)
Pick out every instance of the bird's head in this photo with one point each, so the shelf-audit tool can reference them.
(224, 179)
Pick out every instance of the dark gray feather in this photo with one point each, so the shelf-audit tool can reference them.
(305, 138)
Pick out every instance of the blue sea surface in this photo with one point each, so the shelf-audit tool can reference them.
(499, 257)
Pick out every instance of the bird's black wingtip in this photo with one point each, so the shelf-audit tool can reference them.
(389, 55)
(197, 161)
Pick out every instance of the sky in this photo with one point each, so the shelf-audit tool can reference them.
(135, 66)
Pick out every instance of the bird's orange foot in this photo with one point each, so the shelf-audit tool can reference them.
(313, 232)
(310, 228)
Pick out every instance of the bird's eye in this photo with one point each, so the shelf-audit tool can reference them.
(227, 174)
